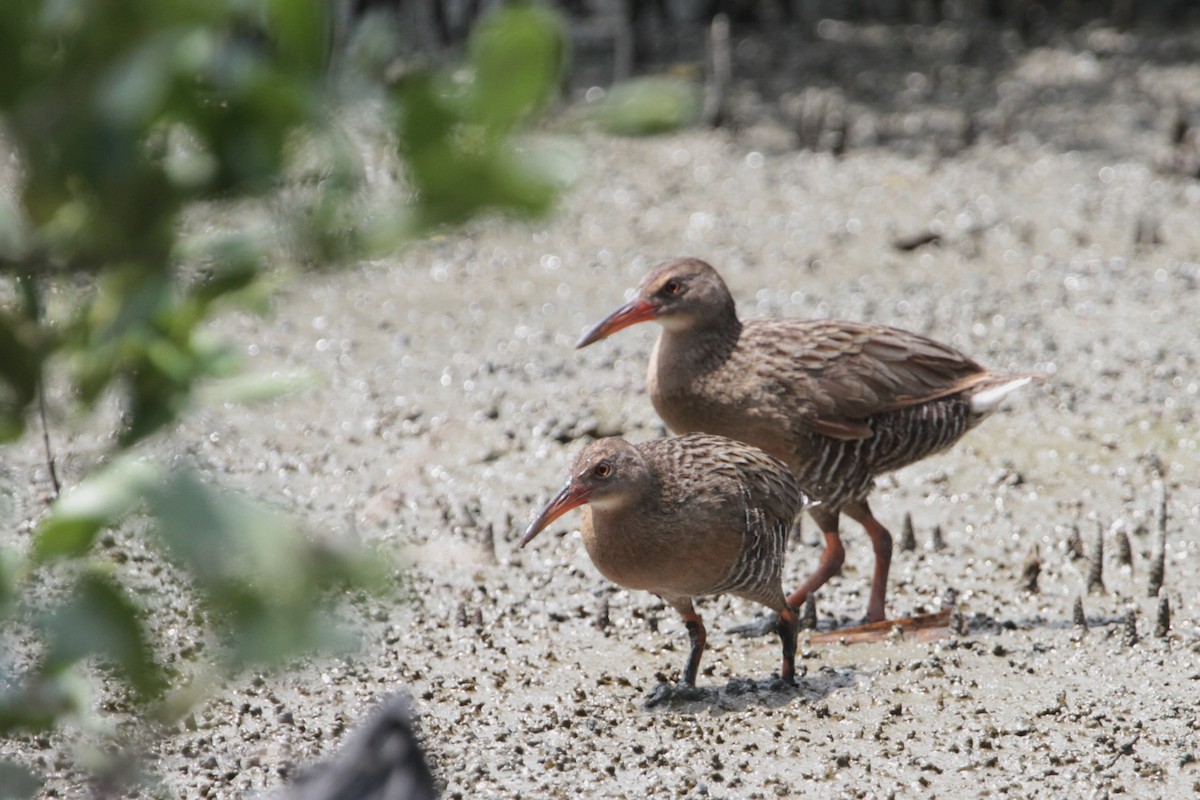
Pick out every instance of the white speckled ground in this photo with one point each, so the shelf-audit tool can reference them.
(454, 401)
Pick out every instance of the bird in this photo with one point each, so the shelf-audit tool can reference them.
(686, 517)
(839, 402)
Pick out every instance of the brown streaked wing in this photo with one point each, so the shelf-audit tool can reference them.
(839, 373)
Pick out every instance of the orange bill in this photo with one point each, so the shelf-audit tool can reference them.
(570, 497)
(635, 311)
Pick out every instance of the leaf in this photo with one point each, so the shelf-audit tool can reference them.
(98, 502)
(646, 106)
(201, 528)
(99, 620)
(257, 388)
(518, 55)
(301, 32)
(8, 579)
(265, 580)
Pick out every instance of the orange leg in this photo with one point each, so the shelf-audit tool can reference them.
(881, 541)
(699, 637)
(787, 636)
(830, 564)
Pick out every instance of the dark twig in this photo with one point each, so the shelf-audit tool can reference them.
(1031, 569)
(1162, 624)
(1125, 749)
(908, 540)
(1130, 634)
(46, 441)
(489, 544)
(1162, 511)
(912, 241)
(935, 539)
(1078, 617)
(958, 622)
(1124, 549)
(1074, 544)
(33, 308)
(602, 615)
(1158, 560)
(808, 619)
(1095, 581)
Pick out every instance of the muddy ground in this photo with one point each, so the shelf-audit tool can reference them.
(451, 402)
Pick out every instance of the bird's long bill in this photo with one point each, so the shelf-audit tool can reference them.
(635, 311)
(570, 497)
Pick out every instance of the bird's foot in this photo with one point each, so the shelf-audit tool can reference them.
(670, 694)
(761, 625)
(777, 684)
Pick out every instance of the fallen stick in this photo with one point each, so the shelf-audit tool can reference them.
(923, 627)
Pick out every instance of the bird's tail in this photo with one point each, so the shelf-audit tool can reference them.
(986, 396)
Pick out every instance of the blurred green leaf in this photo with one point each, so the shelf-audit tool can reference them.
(453, 137)
(261, 576)
(8, 579)
(18, 782)
(166, 155)
(646, 106)
(442, 159)
(518, 56)
(127, 303)
(100, 500)
(302, 32)
(257, 388)
(99, 620)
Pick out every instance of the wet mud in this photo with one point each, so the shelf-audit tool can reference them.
(450, 401)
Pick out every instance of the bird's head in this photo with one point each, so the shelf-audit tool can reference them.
(607, 474)
(678, 294)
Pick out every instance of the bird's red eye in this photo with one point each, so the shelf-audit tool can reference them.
(673, 286)
(602, 470)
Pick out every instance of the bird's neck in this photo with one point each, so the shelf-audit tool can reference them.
(682, 356)
(700, 347)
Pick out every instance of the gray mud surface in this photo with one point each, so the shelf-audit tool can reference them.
(451, 401)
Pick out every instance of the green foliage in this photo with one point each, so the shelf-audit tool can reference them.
(647, 106)
(253, 571)
(99, 620)
(455, 134)
(103, 499)
(127, 118)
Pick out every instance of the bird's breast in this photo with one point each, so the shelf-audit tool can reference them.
(690, 395)
(678, 559)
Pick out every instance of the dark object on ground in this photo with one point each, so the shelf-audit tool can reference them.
(1031, 570)
(1095, 580)
(1078, 617)
(380, 761)
(908, 538)
(1162, 623)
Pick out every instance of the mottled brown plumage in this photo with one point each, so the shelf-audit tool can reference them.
(686, 517)
(840, 402)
